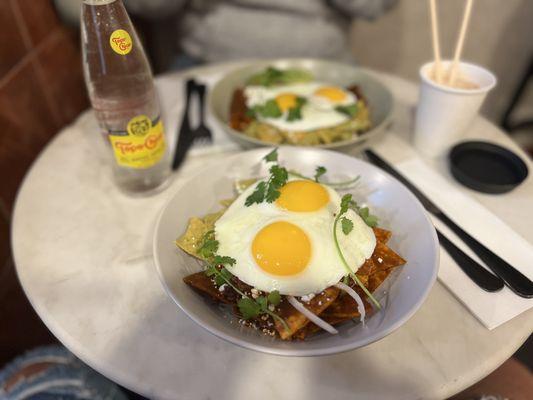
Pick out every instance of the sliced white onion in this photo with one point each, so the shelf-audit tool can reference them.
(356, 297)
(312, 317)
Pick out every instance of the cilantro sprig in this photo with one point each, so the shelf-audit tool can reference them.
(320, 171)
(347, 225)
(209, 245)
(251, 308)
(269, 190)
(216, 269)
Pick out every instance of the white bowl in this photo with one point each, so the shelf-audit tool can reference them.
(401, 295)
(380, 100)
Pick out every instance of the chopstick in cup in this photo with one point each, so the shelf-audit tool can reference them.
(452, 75)
(437, 66)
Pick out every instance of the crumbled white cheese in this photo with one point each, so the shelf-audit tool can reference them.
(380, 260)
(222, 287)
(271, 307)
(255, 293)
(307, 297)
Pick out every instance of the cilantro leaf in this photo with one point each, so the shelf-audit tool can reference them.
(211, 270)
(263, 302)
(270, 109)
(274, 297)
(226, 274)
(349, 110)
(294, 114)
(272, 194)
(278, 176)
(219, 276)
(296, 111)
(319, 171)
(364, 212)
(370, 220)
(258, 195)
(248, 308)
(347, 225)
(209, 245)
(346, 201)
(272, 156)
(223, 260)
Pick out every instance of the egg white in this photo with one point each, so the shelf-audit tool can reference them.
(237, 228)
(319, 112)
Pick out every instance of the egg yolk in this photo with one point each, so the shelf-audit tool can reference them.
(286, 101)
(302, 196)
(331, 93)
(281, 248)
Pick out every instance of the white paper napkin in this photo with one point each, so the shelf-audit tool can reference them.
(491, 309)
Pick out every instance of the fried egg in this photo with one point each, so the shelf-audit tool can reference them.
(288, 245)
(318, 112)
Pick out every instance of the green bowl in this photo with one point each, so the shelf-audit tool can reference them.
(380, 100)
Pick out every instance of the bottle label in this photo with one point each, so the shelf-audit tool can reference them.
(142, 145)
(120, 41)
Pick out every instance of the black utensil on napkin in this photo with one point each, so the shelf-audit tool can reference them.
(513, 278)
(185, 134)
(202, 134)
(481, 277)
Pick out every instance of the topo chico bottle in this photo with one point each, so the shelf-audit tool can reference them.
(122, 94)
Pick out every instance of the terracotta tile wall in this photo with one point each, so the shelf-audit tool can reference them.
(41, 90)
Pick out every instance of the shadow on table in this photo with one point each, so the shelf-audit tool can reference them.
(207, 367)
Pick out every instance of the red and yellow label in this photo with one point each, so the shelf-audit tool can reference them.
(142, 146)
(120, 41)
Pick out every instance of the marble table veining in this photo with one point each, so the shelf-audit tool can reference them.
(83, 254)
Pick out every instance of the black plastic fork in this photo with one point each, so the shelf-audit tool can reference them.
(202, 134)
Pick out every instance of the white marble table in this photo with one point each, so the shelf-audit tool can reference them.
(83, 255)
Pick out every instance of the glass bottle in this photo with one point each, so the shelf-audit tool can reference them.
(121, 89)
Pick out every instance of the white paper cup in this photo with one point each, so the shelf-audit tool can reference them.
(443, 112)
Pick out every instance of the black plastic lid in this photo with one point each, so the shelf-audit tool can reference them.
(487, 167)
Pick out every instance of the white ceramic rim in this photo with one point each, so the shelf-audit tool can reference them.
(293, 352)
(485, 89)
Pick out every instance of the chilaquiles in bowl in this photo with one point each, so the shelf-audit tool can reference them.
(290, 255)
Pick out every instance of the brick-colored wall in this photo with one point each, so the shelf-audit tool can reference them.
(41, 90)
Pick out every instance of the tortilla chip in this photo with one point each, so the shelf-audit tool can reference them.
(382, 235)
(205, 286)
(295, 319)
(345, 306)
(385, 258)
(372, 274)
(191, 240)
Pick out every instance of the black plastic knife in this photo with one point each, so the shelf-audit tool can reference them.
(514, 279)
(185, 135)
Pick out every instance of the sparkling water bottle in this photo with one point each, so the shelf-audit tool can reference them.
(122, 94)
